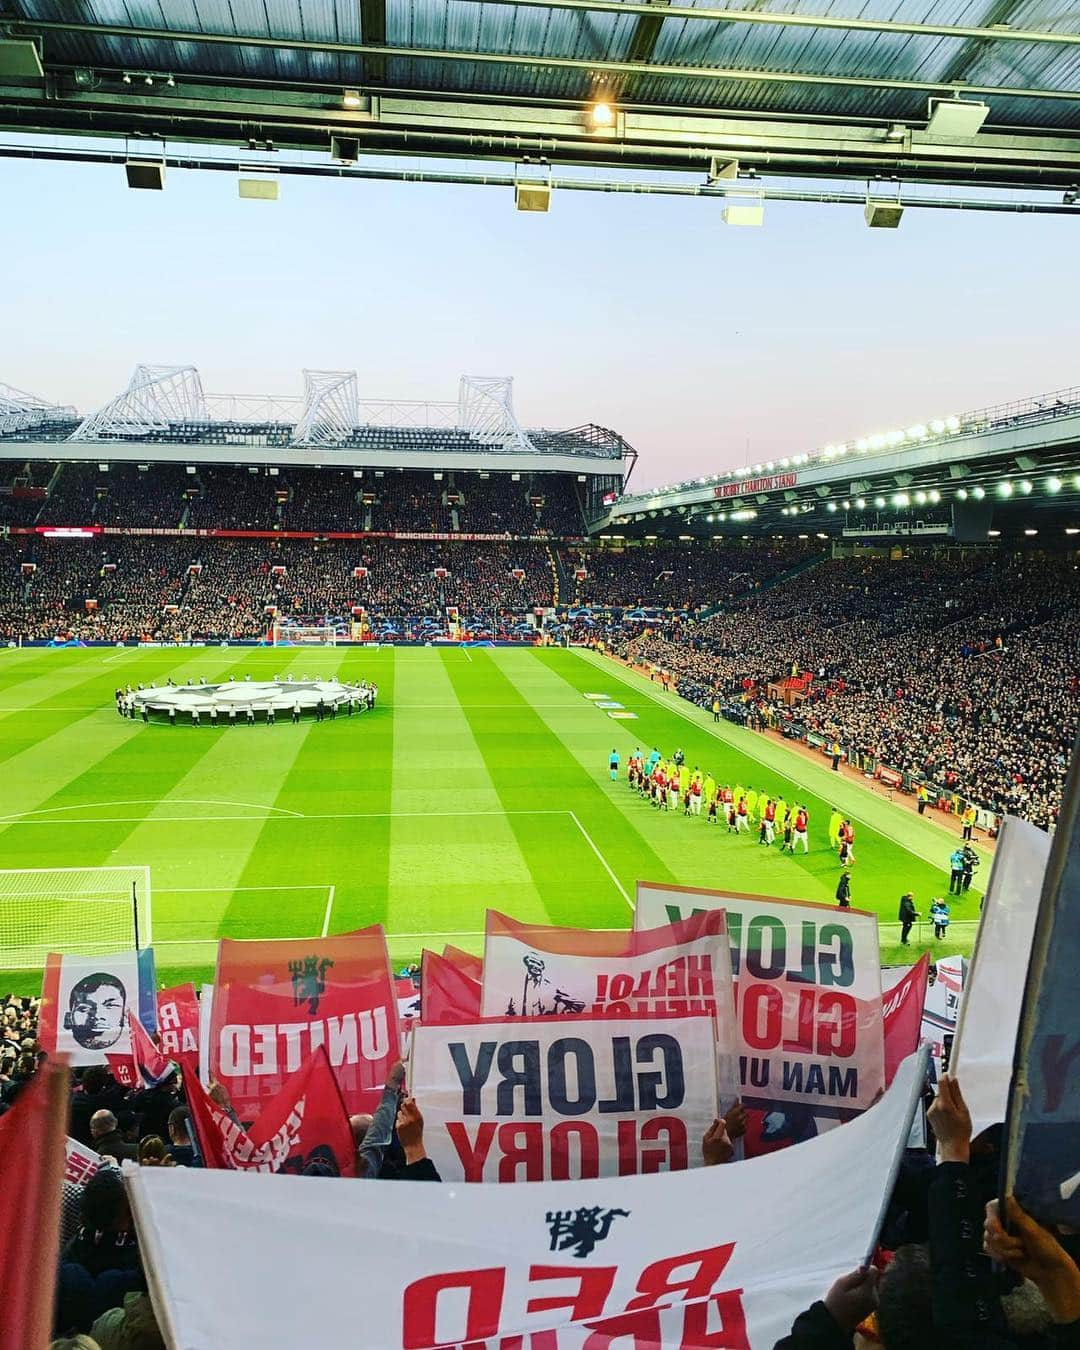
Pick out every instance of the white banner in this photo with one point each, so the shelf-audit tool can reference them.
(808, 996)
(557, 1099)
(989, 1017)
(672, 970)
(85, 1002)
(737, 1251)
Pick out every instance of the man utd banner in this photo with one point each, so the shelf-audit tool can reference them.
(724, 1257)
(554, 1099)
(85, 1002)
(178, 1020)
(808, 998)
(1042, 1152)
(277, 1001)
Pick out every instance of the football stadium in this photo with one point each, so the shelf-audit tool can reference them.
(403, 782)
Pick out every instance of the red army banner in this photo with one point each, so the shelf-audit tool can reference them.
(178, 1020)
(808, 1001)
(550, 1099)
(725, 1257)
(275, 1002)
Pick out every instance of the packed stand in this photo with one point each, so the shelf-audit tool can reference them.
(963, 672)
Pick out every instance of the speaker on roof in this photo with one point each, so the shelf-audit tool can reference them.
(148, 174)
(881, 215)
(345, 149)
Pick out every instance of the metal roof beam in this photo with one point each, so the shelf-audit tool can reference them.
(962, 61)
(713, 74)
(460, 126)
(707, 14)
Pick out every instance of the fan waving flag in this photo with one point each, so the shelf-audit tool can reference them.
(277, 1001)
(304, 1129)
(178, 1020)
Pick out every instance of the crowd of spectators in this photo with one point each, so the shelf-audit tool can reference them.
(327, 499)
(123, 587)
(961, 671)
(669, 575)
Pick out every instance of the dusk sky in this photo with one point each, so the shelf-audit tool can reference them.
(706, 346)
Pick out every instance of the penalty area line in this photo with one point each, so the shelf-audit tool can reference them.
(329, 908)
(604, 862)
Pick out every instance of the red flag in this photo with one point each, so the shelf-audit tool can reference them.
(122, 1068)
(151, 1065)
(447, 994)
(277, 1001)
(178, 1020)
(32, 1136)
(470, 965)
(902, 1011)
(303, 1125)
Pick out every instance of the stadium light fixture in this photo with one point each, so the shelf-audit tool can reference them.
(847, 506)
(861, 504)
(934, 495)
(993, 534)
(830, 506)
(1025, 486)
(103, 468)
(1005, 489)
(602, 114)
(1031, 532)
(351, 99)
(951, 118)
(20, 59)
(920, 499)
(937, 426)
(952, 424)
(822, 536)
(1053, 485)
(1071, 529)
(978, 493)
(961, 494)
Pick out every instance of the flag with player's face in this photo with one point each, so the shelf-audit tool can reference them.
(275, 1002)
(85, 1002)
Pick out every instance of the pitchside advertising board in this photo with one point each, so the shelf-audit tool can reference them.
(85, 1002)
(275, 1002)
(560, 1099)
(726, 1257)
(808, 1001)
(674, 970)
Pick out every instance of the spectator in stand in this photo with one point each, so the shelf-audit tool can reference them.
(107, 1139)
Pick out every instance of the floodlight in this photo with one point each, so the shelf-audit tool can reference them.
(847, 506)
(961, 494)
(952, 424)
(879, 502)
(351, 99)
(978, 493)
(934, 495)
(1005, 489)
(920, 499)
(1029, 532)
(103, 468)
(861, 504)
(954, 118)
(1025, 486)
(1071, 530)
(602, 115)
(830, 506)
(937, 426)
(1053, 485)
(993, 534)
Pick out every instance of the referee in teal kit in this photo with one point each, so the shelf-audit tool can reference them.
(613, 765)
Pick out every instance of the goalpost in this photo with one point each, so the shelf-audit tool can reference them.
(87, 911)
(306, 635)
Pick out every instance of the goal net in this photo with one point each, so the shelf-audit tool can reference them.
(307, 635)
(87, 911)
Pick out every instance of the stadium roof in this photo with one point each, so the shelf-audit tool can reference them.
(822, 89)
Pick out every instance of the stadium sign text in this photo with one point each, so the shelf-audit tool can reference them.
(770, 484)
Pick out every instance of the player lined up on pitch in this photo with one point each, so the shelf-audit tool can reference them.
(671, 785)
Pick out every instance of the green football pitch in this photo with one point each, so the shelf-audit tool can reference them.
(479, 780)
